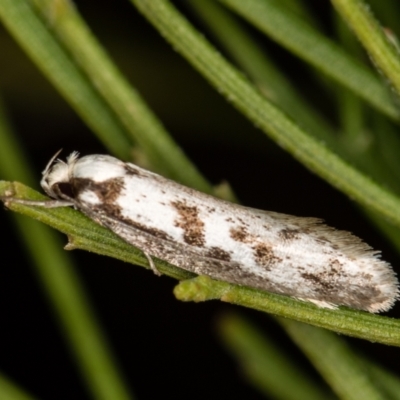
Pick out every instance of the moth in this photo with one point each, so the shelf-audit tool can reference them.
(294, 256)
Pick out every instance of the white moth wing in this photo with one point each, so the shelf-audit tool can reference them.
(300, 257)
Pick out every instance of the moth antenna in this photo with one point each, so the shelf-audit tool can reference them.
(51, 162)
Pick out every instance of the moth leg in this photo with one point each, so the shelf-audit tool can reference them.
(151, 263)
(320, 303)
(37, 203)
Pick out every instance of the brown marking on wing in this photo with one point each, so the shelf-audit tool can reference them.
(289, 234)
(132, 170)
(265, 256)
(218, 253)
(239, 234)
(191, 223)
(158, 233)
(107, 191)
(320, 282)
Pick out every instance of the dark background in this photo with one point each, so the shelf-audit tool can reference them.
(164, 347)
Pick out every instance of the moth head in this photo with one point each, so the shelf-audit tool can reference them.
(56, 177)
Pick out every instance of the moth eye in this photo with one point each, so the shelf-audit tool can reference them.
(63, 189)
